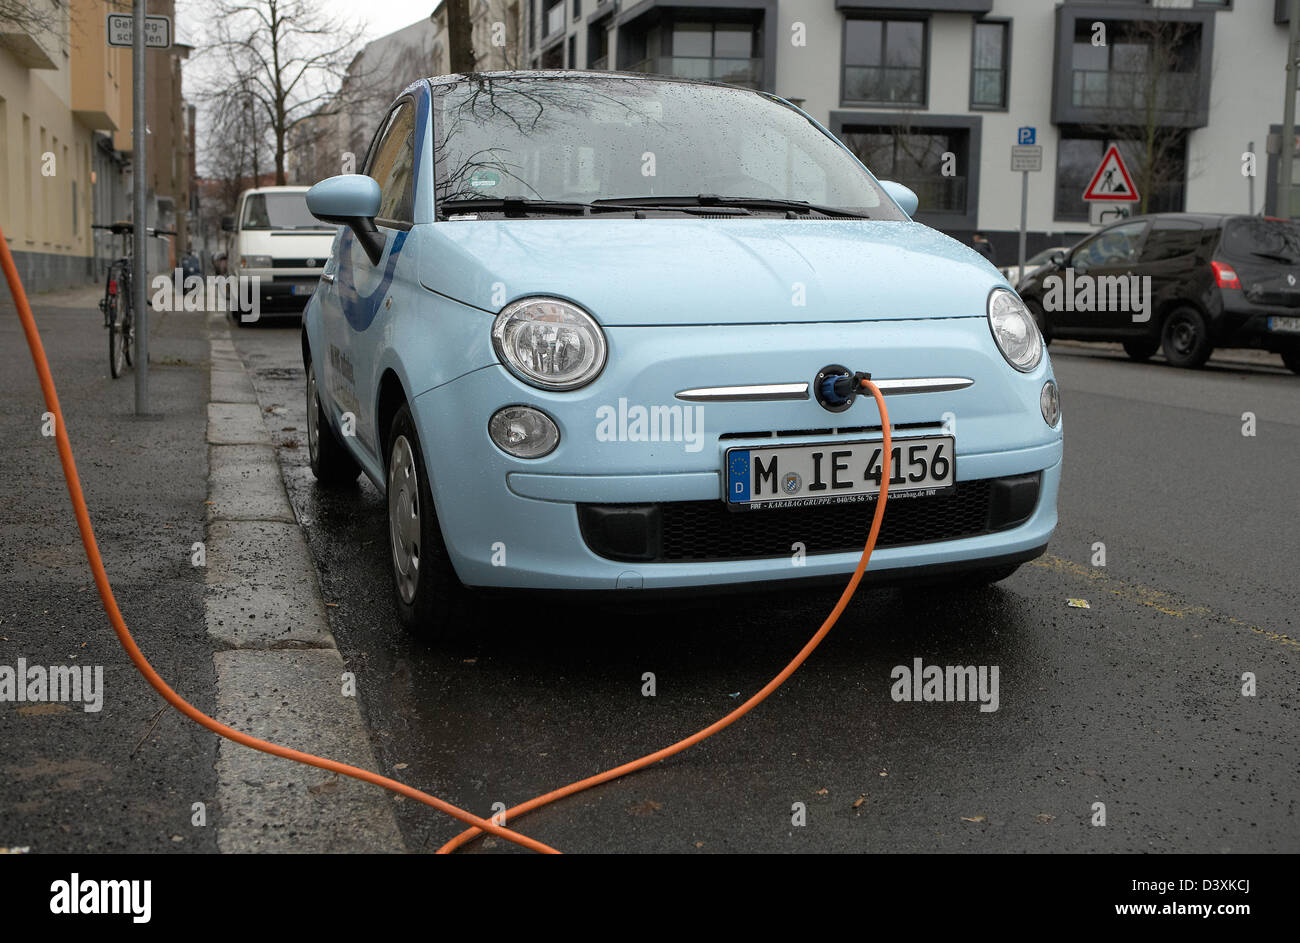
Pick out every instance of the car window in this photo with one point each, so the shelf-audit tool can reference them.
(1259, 238)
(392, 166)
(1118, 245)
(1171, 238)
(588, 138)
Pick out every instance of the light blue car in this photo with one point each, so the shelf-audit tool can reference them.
(596, 331)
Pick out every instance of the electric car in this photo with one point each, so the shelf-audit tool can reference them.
(600, 331)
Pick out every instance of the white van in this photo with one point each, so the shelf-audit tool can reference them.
(277, 239)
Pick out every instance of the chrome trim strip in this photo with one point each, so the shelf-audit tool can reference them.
(757, 393)
(771, 392)
(905, 385)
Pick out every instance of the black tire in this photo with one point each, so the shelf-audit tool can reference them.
(331, 463)
(1141, 348)
(128, 336)
(118, 307)
(1185, 338)
(1040, 318)
(429, 597)
(1292, 360)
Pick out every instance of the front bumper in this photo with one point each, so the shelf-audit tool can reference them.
(520, 524)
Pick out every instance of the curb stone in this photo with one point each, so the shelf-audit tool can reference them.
(279, 672)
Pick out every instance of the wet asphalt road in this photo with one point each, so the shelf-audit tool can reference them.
(1135, 702)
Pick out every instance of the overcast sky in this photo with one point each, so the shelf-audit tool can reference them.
(379, 17)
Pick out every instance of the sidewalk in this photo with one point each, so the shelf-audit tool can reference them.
(125, 778)
(244, 636)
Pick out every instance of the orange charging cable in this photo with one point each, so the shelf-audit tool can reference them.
(478, 825)
(762, 694)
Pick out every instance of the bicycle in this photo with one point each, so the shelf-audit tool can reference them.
(118, 303)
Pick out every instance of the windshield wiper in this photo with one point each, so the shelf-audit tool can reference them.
(512, 205)
(742, 202)
(1275, 256)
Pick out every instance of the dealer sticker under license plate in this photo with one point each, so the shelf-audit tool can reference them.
(838, 472)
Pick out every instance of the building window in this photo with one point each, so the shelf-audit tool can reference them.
(1163, 189)
(914, 157)
(577, 9)
(552, 17)
(990, 58)
(598, 47)
(573, 52)
(884, 62)
(1143, 66)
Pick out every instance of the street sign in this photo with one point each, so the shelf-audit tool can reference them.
(1111, 183)
(1027, 158)
(157, 30)
(1103, 214)
(1026, 135)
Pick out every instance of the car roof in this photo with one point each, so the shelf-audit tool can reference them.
(590, 74)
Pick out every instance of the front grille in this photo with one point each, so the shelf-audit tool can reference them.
(695, 531)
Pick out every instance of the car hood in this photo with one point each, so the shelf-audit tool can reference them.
(711, 271)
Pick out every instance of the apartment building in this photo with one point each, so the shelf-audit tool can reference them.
(933, 93)
(65, 139)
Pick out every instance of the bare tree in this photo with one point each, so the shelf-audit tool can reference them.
(1147, 99)
(286, 58)
(28, 16)
(460, 36)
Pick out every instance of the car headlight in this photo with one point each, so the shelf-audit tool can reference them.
(255, 261)
(549, 343)
(1014, 330)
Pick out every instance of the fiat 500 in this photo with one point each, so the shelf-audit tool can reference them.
(600, 332)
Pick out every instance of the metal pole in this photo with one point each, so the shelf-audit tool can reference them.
(1024, 221)
(140, 213)
(1250, 182)
(1286, 153)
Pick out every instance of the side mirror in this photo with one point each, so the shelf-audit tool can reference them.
(903, 196)
(227, 223)
(350, 200)
(1058, 258)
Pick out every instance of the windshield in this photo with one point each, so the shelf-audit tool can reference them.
(589, 139)
(1262, 238)
(279, 211)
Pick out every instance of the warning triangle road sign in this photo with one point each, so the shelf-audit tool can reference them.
(1111, 183)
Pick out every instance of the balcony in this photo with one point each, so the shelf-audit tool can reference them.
(1134, 92)
(554, 22)
(888, 85)
(747, 73)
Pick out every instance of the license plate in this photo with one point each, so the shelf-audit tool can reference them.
(838, 472)
(302, 288)
(1286, 325)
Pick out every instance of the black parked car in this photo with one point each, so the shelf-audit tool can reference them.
(1216, 281)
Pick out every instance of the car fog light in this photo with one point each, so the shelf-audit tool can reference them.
(1049, 400)
(523, 432)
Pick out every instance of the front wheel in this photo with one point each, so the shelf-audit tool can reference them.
(331, 463)
(1185, 338)
(1141, 349)
(1040, 318)
(429, 596)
